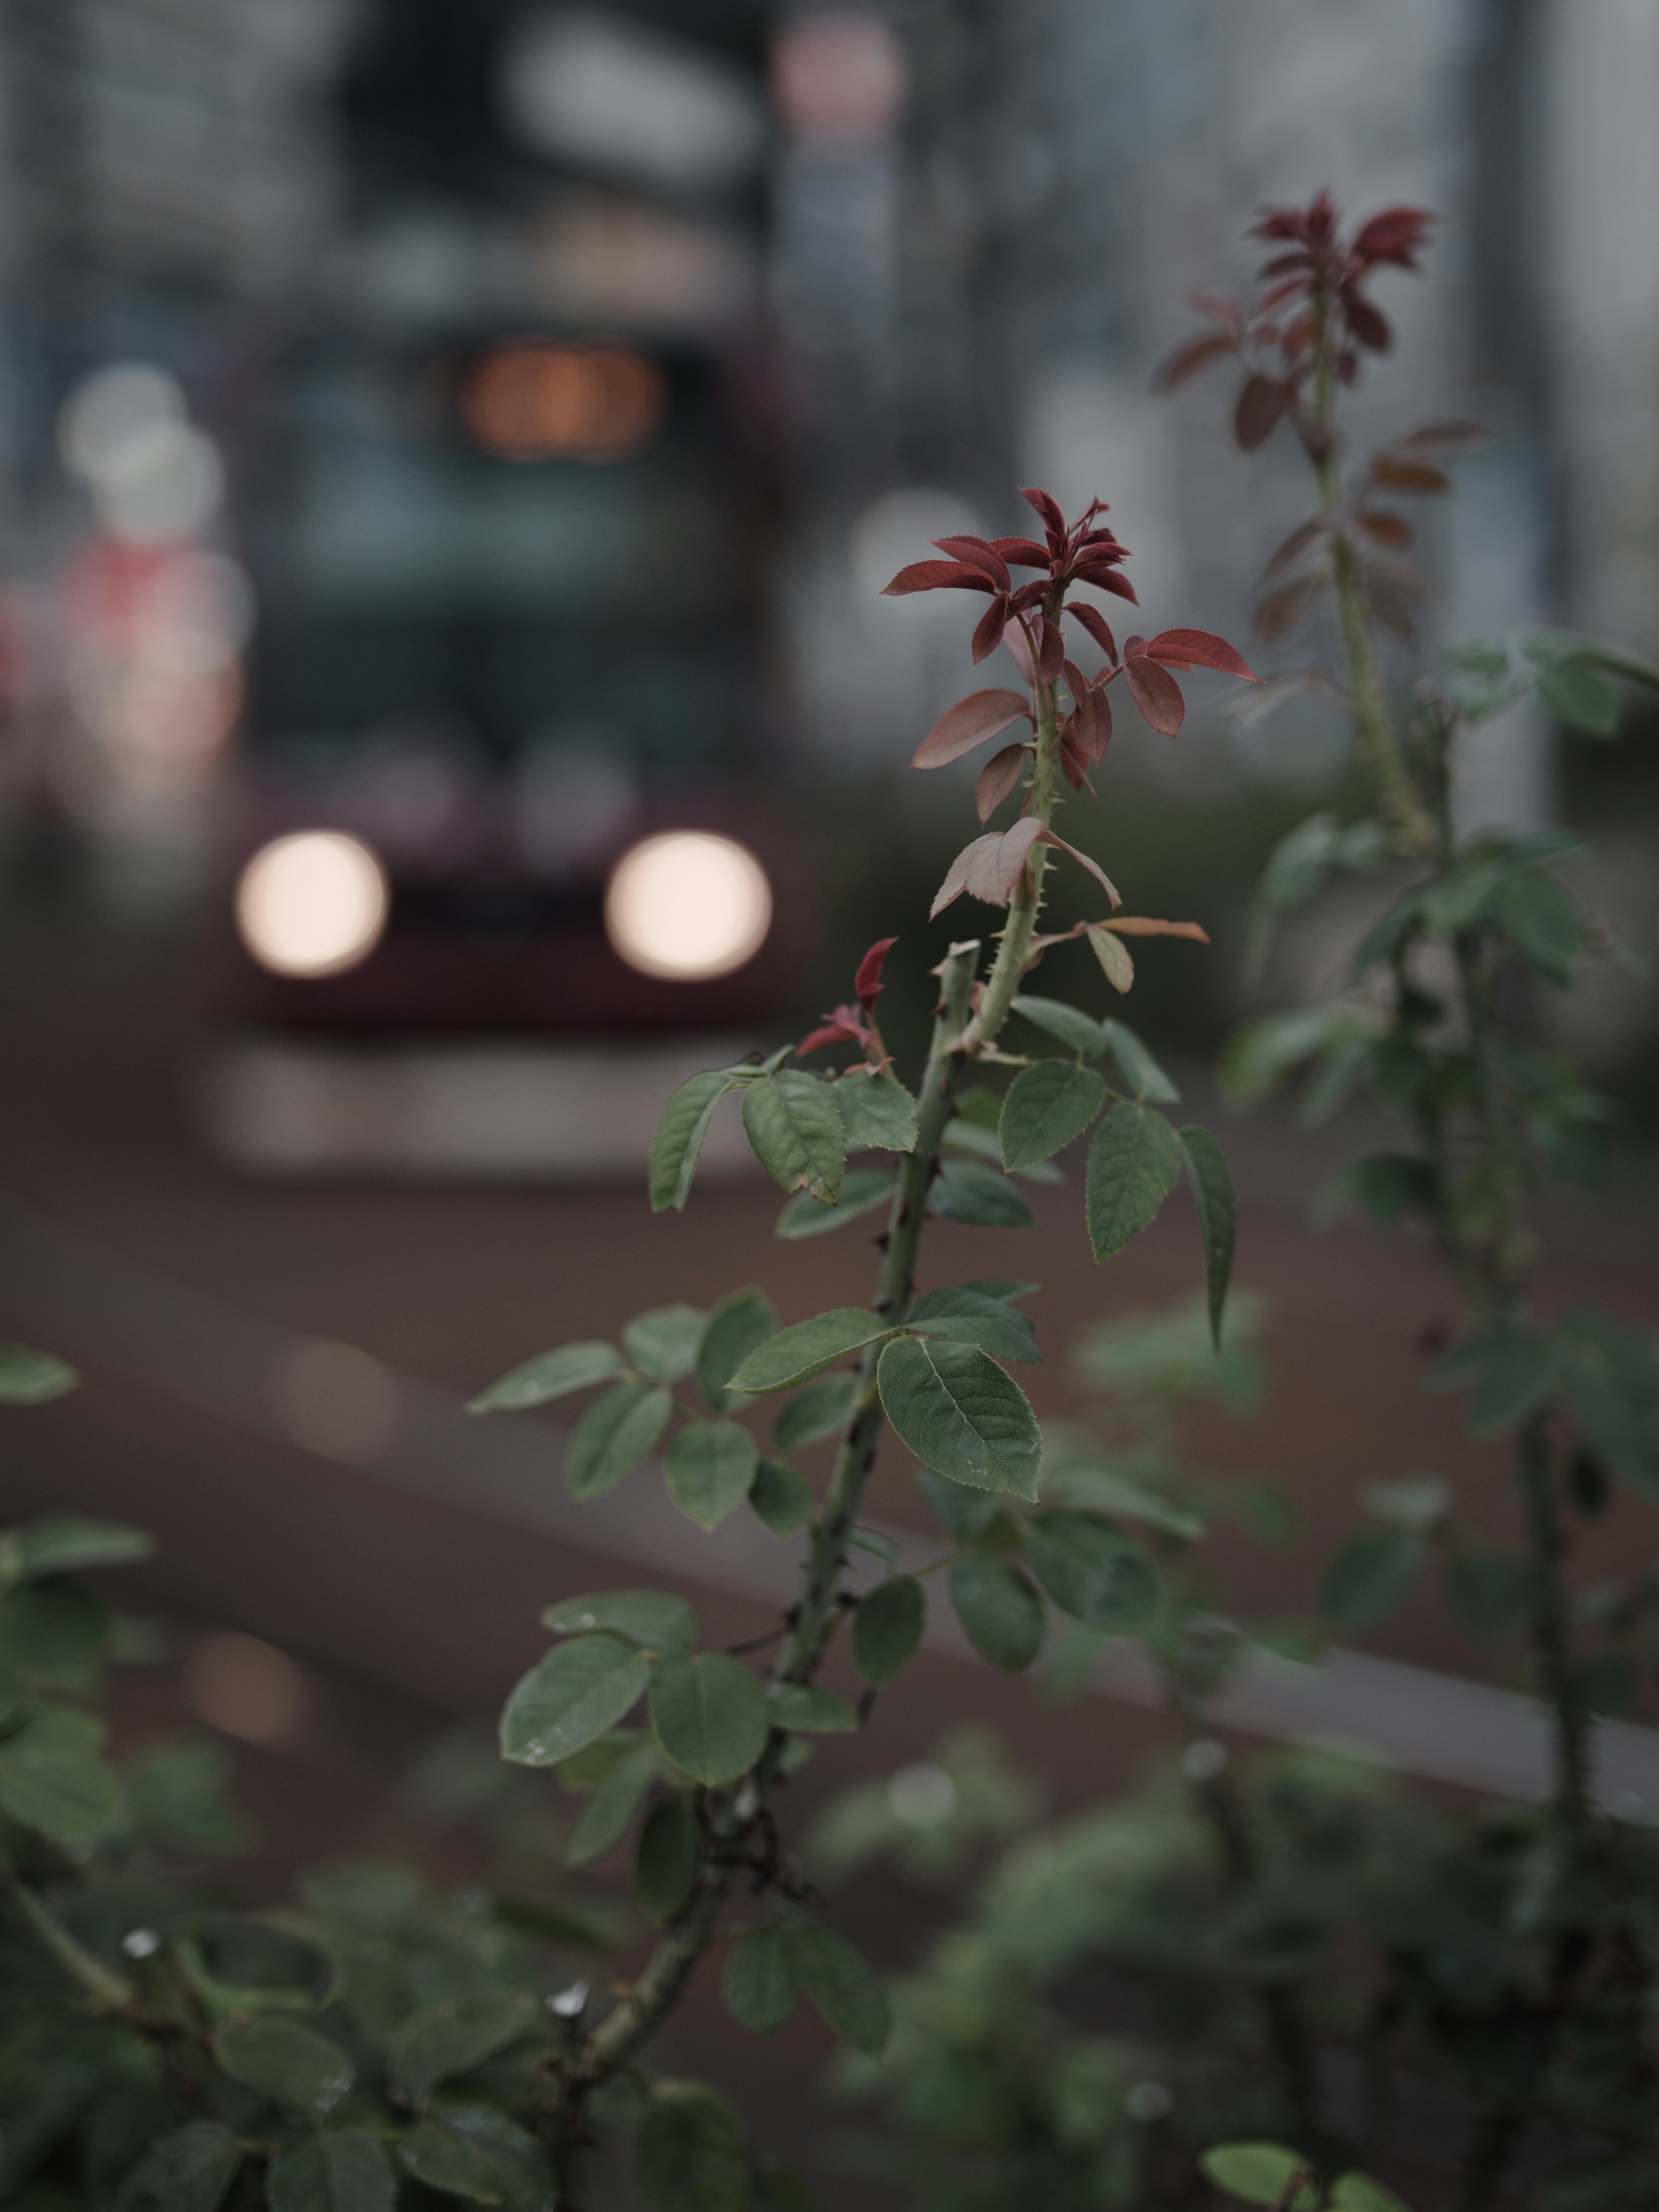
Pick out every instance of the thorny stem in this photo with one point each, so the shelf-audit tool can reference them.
(105, 1991)
(641, 2008)
(1489, 1249)
(1412, 821)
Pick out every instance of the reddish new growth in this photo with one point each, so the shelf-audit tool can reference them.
(1312, 320)
(1029, 619)
(1299, 342)
(850, 1025)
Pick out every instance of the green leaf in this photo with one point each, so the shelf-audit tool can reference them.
(678, 1142)
(969, 1316)
(1513, 1371)
(1047, 1107)
(287, 2061)
(1371, 1577)
(1000, 1611)
(1358, 2192)
(345, 2170)
(810, 1711)
(1077, 1031)
(188, 2171)
(888, 1628)
(609, 1812)
(736, 1327)
(782, 1499)
(1134, 1162)
(53, 1780)
(551, 1375)
(778, 2189)
(1488, 1596)
(445, 2039)
(798, 1137)
(1136, 1066)
(1543, 920)
(710, 1716)
(71, 1543)
(709, 1467)
(862, 1190)
(1003, 1288)
(796, 1354)
(1260, 2172)
(571, 1698)
(822, 1409)
(964, 1190)
(28, 1377)
(1581, 698)
(654, 1619)
(1217, 1215)
(521, 2172)
(613, 1436)
(665, 1859)
(447, 2162)
(878, 1111)
(760, 1985)
(1091, 1571)
(663, 1344)
(177, 1790)
(692, 2153)
(961, 1414)
(1611, 1375)
(844, 1993)
(1260, 1055)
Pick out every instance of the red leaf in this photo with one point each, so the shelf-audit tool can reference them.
(1398, 472)
(866, 984)
(1051, 651)
(1095, 622)
(1368, 327)
(1076, 682)
(1306, 534)
(1201, 646)
(1395, 235)
(1386, 529)
(1441, 441)
(1289, 288)
(967, 724)
(1105, 579)
(1047, 837)
(1157, 694)
(1053, 521)
(1131, 644)
(1282, 610)
(1071, 761)
(841, 1028)
(1186, 361)
(989, 868)
(978, 553)
(1138, 925)
(1262, 401)
(1021, 552)
(1015, 639)
(1091, 725)
(1000, 776)
(987, 631)
(935, 576)
(1282, 264)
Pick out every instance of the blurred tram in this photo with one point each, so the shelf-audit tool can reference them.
(507, 696)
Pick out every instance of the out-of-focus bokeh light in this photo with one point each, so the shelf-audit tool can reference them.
(629, 100)
(245, 1688)
(687, 905)
(336, 1402)
(313, 904)
(535, 402)
(838, 77)
(155, 478)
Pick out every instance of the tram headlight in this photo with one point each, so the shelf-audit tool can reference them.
(313, 904)
(687, 905)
